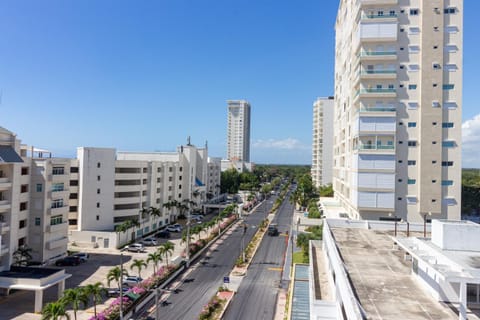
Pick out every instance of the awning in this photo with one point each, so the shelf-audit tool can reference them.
(132, 296)
(9, 155)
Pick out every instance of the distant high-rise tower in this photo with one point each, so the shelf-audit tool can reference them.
(322, 142)
(398, 101)
(238, 131)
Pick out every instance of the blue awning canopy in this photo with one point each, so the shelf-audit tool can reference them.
(9, 155)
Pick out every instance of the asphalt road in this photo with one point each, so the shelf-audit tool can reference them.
(207, 272)
(257, 295)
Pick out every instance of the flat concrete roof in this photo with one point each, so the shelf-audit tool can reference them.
(28, 273)
(382, 279)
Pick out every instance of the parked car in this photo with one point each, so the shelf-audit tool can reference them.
(177, 225)
(173, 228)
(82, 255)
(136, 247)
(163, 234)
(131, 281)
(196, 218)
(68, 261)
(115, 292)
(272, 230)
(149, 242)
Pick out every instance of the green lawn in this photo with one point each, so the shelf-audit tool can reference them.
(298, 257)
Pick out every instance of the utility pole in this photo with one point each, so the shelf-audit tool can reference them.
(121, 285)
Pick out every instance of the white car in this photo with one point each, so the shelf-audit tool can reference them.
(149, 242)
(82, 255)
(131, 281)
(136, 247)
(174, 228)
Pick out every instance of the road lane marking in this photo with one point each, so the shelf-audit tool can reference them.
(275, 269)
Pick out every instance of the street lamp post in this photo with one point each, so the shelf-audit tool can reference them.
(425, 223)
(395, 220)
(121, 286)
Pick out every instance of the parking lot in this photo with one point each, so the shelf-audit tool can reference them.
(19, 304)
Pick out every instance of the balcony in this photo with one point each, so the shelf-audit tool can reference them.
(376, 93)
(57, 211)
(369, 17)
(59, 193)
(387, 111)
(4, 227)
(3, 250)
(377, 74)
(377, 55)
(5, 184)
(57, 243)
(363, 148)
(365, 3)
(5, 205)
(57, 227)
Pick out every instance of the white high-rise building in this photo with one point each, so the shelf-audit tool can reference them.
(322, 149)
(398, 99)
(238, 131)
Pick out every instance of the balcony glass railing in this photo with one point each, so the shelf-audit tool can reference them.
(378, 109)
(377, 53)
(375, 147)
(377, 90)
(379, 16)
(363, 72)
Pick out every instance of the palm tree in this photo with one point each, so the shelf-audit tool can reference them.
(154, 257)
(76, 297)
(54, 311)
(166, 250)
(116, 274)
(139, 264)
(96, 291)
(22, 256)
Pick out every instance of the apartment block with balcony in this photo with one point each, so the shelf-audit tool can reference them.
(398, 85)
(322, 150)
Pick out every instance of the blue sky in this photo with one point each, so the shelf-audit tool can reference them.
(144, 75)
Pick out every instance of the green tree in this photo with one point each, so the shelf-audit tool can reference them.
(116, 274)
(229, 181)
(96, 291)
(155, 258)
(166, 250)
(75, 297)
(326, 191)
(54, 311)
(138, 264)
(22, 256)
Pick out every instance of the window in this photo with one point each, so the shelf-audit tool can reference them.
(413, 30)
(449, 10)
(412, 162)
(180, 178)
(412, 143)
(73, 169)
(39, 187)
(451, 48)
(98, 204)
(412, 124)
(73, 183)
(447, 125)
(412, 87)
(56, 220)
(448, 144)
(58, 171)
(73, 209)
(450, 201)
(158, 190)
(170, 169)
(24, 188)
(24, 171)
(448, 86)
(58, 203)
(435, 104)
(22, 241)
(414, 49)
(58, 187)
(37, 221)
(98, 178)
(411, 200)
(98, 191)
(73, 196)
(22, 224)
(23, 206)
(436, 66)
(450, 105)
(447, 182)
(170, 179)
(413, 67)
(99, 164)
(159, 180)
(451, 67)
(98, 217)
(414, 12)
(451, 29)
(412, 181)
(447, 163)
(413, 105)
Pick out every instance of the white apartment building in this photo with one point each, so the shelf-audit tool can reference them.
(238, 131)
(33, 202)
(322, 149)
(398, 98)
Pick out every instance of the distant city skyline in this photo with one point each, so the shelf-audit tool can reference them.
(144, 77)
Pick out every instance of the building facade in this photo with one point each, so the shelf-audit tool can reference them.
(238, 131)
(398, 90)
(322, 150)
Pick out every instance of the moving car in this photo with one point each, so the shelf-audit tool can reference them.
(136, 247)
(272, 230)
(68, 261)
(149, 242)
(82, 255)
(131, 281)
